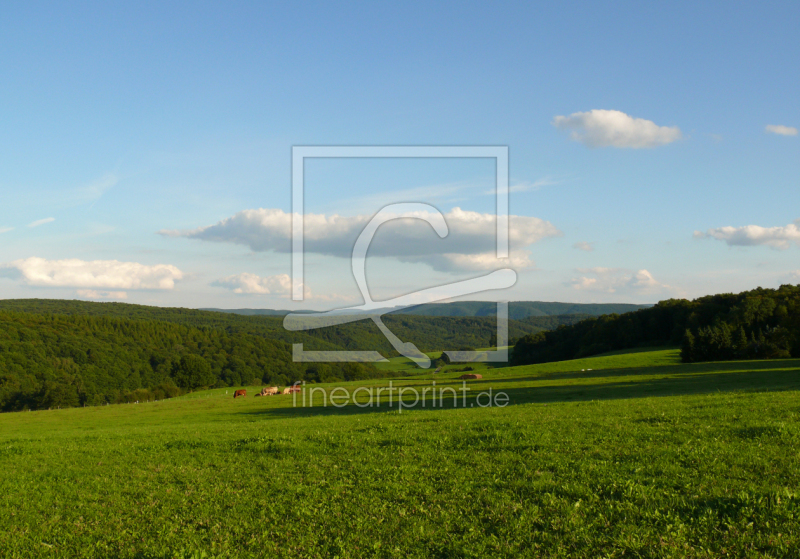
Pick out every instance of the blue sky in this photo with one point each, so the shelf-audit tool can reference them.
(120, 121)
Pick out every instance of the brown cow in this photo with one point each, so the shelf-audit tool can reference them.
(291, 389)
(470, 377)
(241, 393)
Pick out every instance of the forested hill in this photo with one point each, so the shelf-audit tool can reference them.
(428, 333)
(51, 360)
(757, 324)
(517, 310)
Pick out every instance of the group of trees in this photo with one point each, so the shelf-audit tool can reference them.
(722, 343)
(757, 324)
(53, 360)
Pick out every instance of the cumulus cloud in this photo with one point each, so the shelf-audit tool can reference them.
(601, 128)
(469, 244)
(584, 246)
(97, 274)
(94, 294)
(253, 284)
(781, 130)
(39, 222)
(615, 280)
(754, 235)
(795, 275)
(643, 280)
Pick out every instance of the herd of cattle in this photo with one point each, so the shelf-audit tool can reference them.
(269, 391)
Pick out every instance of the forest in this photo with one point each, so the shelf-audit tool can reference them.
(51, 360)
(756, 324)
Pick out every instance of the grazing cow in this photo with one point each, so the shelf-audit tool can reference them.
(470, 377)
(268, 391)
(241, 393)
(291, 389)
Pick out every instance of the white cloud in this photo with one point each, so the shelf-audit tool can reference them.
(253, 284)
(517, 260)
(754, 235)
(97, 274)
(781, 130)
(601, 128)
(39, 222)
(795, 275)
(643, 280)
(93, 294)
(472, 236)
(587, 247)
(6, 229)
(616, 280)
(584, 283)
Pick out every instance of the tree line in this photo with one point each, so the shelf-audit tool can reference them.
(756, 324)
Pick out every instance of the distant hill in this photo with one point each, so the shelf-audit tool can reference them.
(426, 332)
(517, 310)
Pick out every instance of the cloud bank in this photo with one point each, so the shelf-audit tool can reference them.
(755, 235)
(601, 128)
(781, 130)
(470, 244)
(97, 274)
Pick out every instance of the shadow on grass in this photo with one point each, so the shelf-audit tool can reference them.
(703, 379)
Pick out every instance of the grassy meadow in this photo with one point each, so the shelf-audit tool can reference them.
(641, 456)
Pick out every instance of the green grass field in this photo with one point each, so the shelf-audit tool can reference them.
(640, 457)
